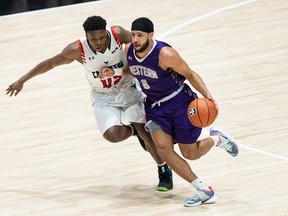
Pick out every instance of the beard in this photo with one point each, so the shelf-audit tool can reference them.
(143, 47)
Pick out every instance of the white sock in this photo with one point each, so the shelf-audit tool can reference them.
(199, 184)
(162, 167)
(132, 128)
(216, 139)
(162, 164)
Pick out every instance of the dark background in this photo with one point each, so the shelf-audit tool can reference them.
(17, 6)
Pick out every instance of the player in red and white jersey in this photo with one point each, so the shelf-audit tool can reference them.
(111, 91)
(116, 98)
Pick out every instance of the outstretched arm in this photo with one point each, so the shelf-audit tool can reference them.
(68, 55)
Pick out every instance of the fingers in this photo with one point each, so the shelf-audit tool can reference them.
(16, 93)
(217, 107)
(216, 104)
(9, 90)
(126, 70)
(106, 72)
(12, 91)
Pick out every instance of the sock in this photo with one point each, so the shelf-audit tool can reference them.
(199, 184)
(134, 131)
(162, 167)
(216, 139)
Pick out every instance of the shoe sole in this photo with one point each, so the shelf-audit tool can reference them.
(209, 201)
(163, 189)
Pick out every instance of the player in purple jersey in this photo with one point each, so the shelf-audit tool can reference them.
(161, 73)
(101, 47)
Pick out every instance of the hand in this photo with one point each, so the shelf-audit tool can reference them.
(209, 97)
(217, 108)
(106, 72)
(126, 71)
(14, 88)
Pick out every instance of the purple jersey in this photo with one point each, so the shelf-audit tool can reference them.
(155, 82)
(158, 84)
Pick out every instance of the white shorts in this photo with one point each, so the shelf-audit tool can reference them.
(118, 108)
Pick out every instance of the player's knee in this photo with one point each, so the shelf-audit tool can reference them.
(163, 151)
(111, 135)
(191, 155)
(110, 138)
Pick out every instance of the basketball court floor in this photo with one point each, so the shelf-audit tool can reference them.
(53, 160)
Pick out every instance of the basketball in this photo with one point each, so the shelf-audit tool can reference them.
(202, 112)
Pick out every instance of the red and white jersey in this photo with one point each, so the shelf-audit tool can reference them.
(93, 62)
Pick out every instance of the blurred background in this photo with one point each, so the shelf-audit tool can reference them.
(18, 6)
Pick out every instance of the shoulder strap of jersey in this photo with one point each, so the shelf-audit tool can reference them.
(81, 51)
(116, 37)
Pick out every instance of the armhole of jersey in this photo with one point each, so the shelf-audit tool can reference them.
(81, 51)
(116, 37)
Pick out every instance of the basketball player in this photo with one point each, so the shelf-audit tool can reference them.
(115, 97)
(161, 73)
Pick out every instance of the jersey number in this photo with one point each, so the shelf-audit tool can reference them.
(145, 84)
(110, 81)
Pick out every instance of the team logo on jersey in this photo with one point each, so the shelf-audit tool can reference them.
(95, 74)
(106, 62)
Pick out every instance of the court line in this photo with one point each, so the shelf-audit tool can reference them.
(206, 15)
(249, 148)
(193, 20)
(203, 16)
(263, 152)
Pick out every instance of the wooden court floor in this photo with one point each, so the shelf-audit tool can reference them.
(53, 160)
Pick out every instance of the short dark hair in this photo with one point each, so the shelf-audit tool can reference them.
(93, 23)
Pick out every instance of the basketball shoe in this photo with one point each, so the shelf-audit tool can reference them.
(165, 180)
(225, 141)
(201, 197)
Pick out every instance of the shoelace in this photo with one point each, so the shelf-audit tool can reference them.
(196, 197)
(227, 146)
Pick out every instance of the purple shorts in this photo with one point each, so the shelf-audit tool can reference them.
(172, 117)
